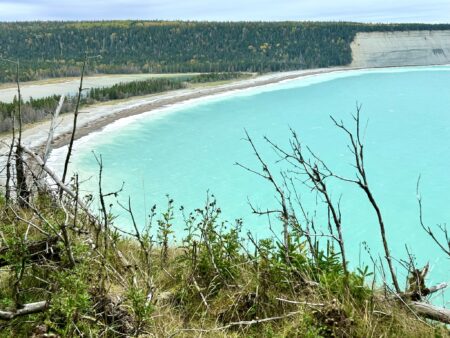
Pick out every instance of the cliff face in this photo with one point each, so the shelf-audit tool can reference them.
(412, 48)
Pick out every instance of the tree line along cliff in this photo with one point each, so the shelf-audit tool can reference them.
(37, 109)
(54, 49)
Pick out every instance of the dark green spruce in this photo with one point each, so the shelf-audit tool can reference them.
(53, 49)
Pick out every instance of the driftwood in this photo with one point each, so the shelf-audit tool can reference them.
(24, 310)
(431, 312)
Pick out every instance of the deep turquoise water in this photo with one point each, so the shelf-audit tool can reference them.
(187, 150)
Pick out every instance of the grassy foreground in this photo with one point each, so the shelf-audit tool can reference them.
(97, 282)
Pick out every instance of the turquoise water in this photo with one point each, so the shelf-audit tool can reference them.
(187, 150)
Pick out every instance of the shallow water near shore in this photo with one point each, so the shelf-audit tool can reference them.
(187, 150)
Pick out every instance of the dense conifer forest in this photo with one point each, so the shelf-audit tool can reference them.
(53, 49)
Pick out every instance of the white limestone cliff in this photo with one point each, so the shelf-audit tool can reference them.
(410, 48)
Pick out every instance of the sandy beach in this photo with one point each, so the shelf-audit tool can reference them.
(95, 117)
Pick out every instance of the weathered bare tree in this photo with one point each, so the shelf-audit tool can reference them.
(306, 163)
(317, 173)
(21, 182)
(11, 149)
(40, 179)
(8, 160)
(51, 132)
(75, 118)
(22, 189)
(357, 149)
(316, 180)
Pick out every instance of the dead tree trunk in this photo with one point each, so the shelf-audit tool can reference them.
(22, 189)
(74, 128)
(48, 145)
(51, 132)
(8, 161)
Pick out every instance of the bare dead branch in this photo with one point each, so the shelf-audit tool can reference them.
(24, 310)
(317, 173)
(357, 149)
(445, 247)
(75, 119)
(267, 175)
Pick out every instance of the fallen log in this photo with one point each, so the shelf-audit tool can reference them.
(55, 178)
(24, 310)
(426, 310)
(431, 312)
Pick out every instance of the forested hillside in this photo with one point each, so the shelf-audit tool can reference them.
(51, 49)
